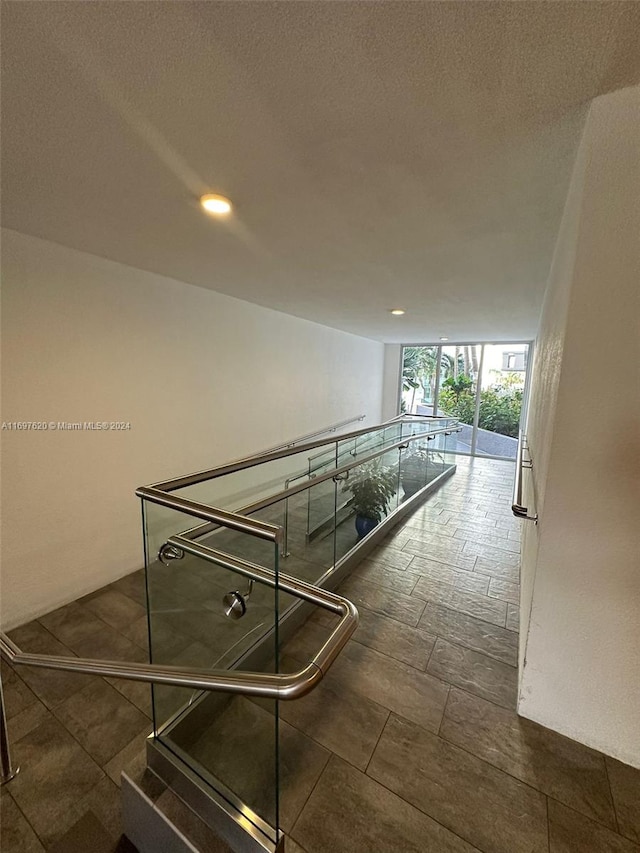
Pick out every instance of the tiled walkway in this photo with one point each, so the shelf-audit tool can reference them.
(411, 744)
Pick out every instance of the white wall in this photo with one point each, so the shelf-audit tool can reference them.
(581, 565)
(201, 377)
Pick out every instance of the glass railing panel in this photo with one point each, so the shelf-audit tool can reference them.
(414, 426)
(375, 439)
(414, 468)
(450, 447)
(231, 742)
(423, 459)
(422, 426)
(442, 449)
(238, 489)
(321, 510)
(372, 491)
(437, 459)
(326, 458)
(203, 614)
(308, 550)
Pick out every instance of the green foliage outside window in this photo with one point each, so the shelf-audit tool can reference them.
(457, 398)
(500, 404)
(500, 410)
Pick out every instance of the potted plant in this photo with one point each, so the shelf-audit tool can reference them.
(413, 471)
(372, 486)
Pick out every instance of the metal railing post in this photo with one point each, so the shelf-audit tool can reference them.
(7, 771)
(284, 546)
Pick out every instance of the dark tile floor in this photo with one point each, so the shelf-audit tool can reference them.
(411, 743)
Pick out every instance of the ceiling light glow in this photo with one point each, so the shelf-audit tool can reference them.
(397, 311)
(444, 339)
(217, 205)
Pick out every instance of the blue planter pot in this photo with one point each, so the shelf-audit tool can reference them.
(410, 487)
(364, 525)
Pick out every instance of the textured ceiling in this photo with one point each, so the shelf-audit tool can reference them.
(378, 154)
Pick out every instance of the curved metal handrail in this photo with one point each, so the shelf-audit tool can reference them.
(267, 685)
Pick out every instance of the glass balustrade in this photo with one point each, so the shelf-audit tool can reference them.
(206, 615)
(317, 504)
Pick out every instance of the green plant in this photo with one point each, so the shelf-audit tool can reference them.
(458, 384)
(500, 405)
(413, 471)
(413, 465)
(500, 410)
(457, 398)
(372, 487)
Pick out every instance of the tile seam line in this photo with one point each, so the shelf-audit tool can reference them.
(386, 722)
(104, 775)
(395, 660)
(477, 758)
(470, 615)
(478, 651)
(393, 619)
(101, 766)
(451, 684)
(315, 785)
(28, 822)
(354, 693)
(612, 798)
(381, 586)
(594, 819)
(484, 654)
(517, 778)
(421, 810)
(398, 660)
(53, 708)
(94, 615)
(546, 804)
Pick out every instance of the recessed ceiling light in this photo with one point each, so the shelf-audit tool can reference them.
(444, 339)
(217, 205)
(397, 311)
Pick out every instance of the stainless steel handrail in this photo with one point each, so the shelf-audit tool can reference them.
(419, 415)
(7, 771)
(307, 436)
(274, 686)
(517, 507)
(287, 583)
(242, 513)
(267, 685)
(251, 461)
(335, 472)
(310, 473)
(214, 517)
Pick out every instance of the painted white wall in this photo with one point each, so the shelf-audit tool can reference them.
(581, 565)
(201, 377)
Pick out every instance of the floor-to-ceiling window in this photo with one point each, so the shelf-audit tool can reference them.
(482, 384)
